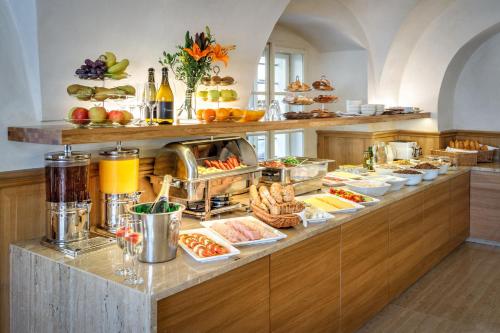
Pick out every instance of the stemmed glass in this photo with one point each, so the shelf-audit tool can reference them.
(120, 241)
(274, 112)
(149, 102)
(134, 234)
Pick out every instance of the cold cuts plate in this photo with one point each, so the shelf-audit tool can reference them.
(213, 236)
(244, 230)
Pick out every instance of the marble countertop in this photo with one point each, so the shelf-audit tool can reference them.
(487, 167)
(165, 279)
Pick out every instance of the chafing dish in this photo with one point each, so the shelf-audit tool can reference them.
(185, 162)
(305, 177)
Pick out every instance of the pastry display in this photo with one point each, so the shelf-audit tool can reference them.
(217, 80)
(298, 100)
(297, 115)
(323, 84)
(319, 113)
(325, 98)
(298, 86)
(467, 145)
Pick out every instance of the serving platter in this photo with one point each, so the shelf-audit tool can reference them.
(353, 209)
(213, 236)
(278, 234)
(371, 200)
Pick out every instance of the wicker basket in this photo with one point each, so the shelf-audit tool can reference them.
(485, 156)
(284, 220)
(463, 159)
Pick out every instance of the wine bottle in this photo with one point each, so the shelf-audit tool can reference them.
(161, 204)
(165, 100)
(150, 96)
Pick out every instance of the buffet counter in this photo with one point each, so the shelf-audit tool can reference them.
(384, 249)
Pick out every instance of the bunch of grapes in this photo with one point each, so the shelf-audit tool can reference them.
(94, 70)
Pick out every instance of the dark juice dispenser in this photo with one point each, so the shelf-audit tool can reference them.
(67, 177)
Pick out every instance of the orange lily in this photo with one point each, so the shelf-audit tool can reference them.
(196, 52)
(219, 53)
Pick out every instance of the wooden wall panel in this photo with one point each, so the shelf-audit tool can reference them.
(364, 269)
(405, 243)
(460, 209)
(336, 144)
(21, 217)
(305, 285)
(485, 206)
(435, 226)
(237, 301)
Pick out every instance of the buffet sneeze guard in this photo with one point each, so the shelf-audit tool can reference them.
(202, 192)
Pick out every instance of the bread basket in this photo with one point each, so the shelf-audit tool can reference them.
(290, 218)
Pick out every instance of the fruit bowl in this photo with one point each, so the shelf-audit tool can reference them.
(87, 123)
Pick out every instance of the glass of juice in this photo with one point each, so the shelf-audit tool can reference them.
(134, 235)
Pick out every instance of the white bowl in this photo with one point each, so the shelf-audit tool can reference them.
(443, 168)
(383, 171)
(368, 187)
(412, 179)
(429, 174)
(396, 183)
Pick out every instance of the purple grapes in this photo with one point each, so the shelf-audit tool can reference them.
(93, 70)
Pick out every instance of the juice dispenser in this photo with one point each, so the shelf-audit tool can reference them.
(119, 183)
(67, 196)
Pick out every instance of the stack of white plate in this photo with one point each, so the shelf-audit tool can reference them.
(368, 109)
(379, 109)
(353, 106)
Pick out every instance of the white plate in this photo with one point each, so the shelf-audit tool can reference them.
(378, 189)
(216, 238)
(305, 221)
(373, 201)
(345, 210)
(278, 234)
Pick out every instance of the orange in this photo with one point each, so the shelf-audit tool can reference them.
(209, 115)
(222, 114)
(199, 114)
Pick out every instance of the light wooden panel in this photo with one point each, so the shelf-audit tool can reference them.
(459, 209)
(22, 215)
(405, 243)
(305, 285)
(485, 206)
(427, 141)
(237, 301)
(364, 269)
(348, 147)
(435, 226)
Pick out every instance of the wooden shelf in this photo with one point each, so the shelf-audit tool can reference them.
(66, 134)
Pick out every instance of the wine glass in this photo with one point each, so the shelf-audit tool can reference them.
(149, 102)
(134, 234)
(120, 241)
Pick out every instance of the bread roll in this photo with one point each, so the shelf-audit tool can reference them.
(254, 195)
(276, 190)
(262, 206)
(264, 194)
(288, 193)
(451, 144)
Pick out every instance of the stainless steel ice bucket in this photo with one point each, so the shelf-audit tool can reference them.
(161, 234)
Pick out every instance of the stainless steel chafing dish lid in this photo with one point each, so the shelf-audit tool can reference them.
(181, 159)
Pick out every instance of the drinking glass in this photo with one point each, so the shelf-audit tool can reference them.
(149, 102)
(274, 112)
(120, 241)
(134, 234)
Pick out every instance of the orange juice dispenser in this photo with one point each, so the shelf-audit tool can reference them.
(119, 183)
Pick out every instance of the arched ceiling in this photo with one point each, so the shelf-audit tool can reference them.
(327, 25)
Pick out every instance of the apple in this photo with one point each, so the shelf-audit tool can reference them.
(79, 115)
(127, 117)
(98, 114)
(116, 116)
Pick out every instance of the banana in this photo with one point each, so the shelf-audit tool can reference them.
(110, 59)
(118, 68)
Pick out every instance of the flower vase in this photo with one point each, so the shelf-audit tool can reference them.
(187, 107)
